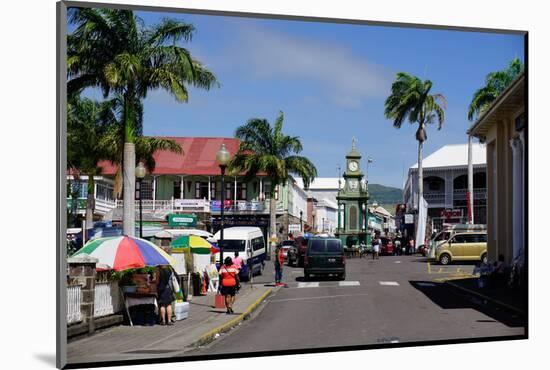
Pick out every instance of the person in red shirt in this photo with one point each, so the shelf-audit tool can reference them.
(229, 275)
(279, 262)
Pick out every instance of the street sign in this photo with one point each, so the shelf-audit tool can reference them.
(409, 218)
(293, 227)
(182, 220)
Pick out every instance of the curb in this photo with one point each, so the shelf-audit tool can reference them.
(209, 336)
(482, 296)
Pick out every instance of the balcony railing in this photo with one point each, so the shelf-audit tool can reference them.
(479, 193)
(203, 205)
(434, 197)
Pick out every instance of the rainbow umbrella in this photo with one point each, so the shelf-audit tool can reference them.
(125, 252)
(196, 244)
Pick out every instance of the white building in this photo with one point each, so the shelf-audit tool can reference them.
(445, 175)
(323, 188)
(326, 216)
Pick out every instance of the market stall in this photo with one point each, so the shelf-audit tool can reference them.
(135, 264)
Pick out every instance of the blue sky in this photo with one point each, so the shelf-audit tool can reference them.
(330, 80)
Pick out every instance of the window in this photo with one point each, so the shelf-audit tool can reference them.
(228, 190)
(481, 238)
(177, 190)
(459, 239)
(334, 246)
(213, 190)
(317, 246)
(232, 245)
(241, 191)
(146, 190)
(257, 243)
(201, 190)
(277, 192)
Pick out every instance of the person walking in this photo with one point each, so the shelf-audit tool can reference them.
(376, 248)
(410, 249)
(166, 295)
(362, 249)
(397, 247)
(279, 261)
(229, 282)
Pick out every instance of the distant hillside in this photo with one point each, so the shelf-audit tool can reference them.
(385, 195)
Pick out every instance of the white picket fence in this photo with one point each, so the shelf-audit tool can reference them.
(74, 298)
(107, 299)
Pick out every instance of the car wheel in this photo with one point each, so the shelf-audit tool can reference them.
(484, 258)
(342, 276)
(445, 259)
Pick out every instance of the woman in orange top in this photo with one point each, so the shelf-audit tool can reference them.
(229, 281)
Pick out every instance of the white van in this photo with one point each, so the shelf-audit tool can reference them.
(249, 242)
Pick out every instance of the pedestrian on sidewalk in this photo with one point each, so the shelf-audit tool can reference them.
(166, 295)
(238, 263)
(279, 261)
(229, 282)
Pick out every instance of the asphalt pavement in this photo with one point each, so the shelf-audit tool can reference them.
(396, 299)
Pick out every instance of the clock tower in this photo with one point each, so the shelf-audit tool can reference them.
(352, 202)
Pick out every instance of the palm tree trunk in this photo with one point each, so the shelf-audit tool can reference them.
(90, 204)
(129, 170)
(272, 218)
(420, 175)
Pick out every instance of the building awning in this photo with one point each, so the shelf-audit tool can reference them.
(508, 103)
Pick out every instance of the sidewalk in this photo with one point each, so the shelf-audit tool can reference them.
(506, 298)
(139, 342)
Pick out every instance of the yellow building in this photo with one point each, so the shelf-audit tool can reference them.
(503, 128)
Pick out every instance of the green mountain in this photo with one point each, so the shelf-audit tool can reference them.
(386, 196)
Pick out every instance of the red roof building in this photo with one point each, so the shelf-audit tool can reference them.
(198, 158)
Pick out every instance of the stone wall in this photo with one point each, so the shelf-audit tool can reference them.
(82, 270)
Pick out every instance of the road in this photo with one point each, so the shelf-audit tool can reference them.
(393, 299)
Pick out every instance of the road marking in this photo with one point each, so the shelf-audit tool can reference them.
(314, 284)
(397, 262)
(393, 283)
(349, 283)
(319, 297)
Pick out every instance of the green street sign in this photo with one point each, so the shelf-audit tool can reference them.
(182, 220)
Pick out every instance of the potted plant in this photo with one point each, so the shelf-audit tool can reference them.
(125, 281)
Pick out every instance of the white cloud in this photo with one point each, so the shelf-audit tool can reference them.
(346, 77)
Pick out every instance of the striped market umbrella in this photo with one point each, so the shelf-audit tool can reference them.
(197, 244)
(125, 252)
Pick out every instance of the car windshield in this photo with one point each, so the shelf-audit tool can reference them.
(232, 245)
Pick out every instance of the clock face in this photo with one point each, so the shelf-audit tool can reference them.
(353, 166)
(353, 184)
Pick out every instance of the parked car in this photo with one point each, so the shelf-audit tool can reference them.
(324, 256)
(387, 246)
(285, 245)
(471, 246)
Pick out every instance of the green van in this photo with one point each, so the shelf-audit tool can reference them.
(324, 256)
(470, 246)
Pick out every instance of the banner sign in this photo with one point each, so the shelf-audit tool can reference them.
(451, 213)
(182, 220)
(189, 203)
(230, 205)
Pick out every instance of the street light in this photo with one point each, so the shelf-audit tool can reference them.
(369, 160)
(140, 174)
(222, 157)
(301, 225)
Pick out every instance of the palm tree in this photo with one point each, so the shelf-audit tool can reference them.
(411, 100)
(88, 124)
(112, 49)
(265, 148)
(495, 84)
